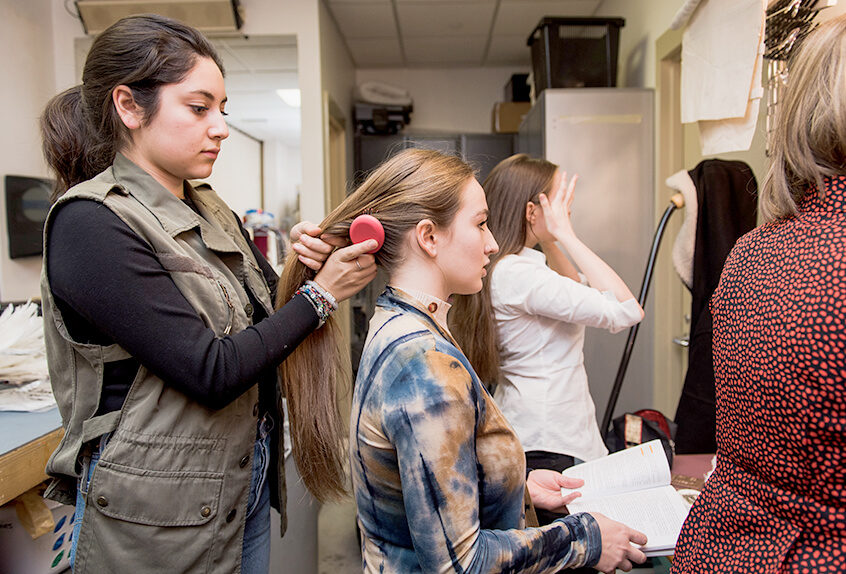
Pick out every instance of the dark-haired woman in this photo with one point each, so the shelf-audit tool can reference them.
(528, 326)
(161, 336)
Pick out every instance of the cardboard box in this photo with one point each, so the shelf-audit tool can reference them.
(507, 116)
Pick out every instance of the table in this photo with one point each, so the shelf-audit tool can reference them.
(26, 442)
(695, 465)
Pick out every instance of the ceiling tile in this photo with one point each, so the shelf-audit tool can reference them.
(448, 51)
(375, 52)
(519, 17)
(358, 20)
(452, 19)
(508, 51)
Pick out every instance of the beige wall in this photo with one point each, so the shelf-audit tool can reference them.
(27, 86)
(283, 174)
(450, 99)
(237, 174)
(646, 20)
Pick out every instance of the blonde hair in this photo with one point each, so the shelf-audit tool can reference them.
(809, 140)
(413, 185)
(513, 183)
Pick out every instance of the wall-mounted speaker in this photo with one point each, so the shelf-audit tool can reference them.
(27, 205)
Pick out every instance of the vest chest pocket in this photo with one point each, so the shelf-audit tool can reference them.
(204, 289)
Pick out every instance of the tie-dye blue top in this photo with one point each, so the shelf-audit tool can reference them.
(438, 473)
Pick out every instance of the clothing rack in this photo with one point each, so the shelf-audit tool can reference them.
(788, 22)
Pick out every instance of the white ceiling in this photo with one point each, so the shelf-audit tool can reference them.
(445, 33)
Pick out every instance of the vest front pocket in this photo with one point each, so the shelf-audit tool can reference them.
(149, 521)
(154, 497)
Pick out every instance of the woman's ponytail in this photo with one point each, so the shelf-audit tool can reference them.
(311, 376)
(71, 149)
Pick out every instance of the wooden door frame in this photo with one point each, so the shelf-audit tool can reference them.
(335, 186)
(672, 300)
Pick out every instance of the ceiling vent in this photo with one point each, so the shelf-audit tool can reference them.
(208, 16)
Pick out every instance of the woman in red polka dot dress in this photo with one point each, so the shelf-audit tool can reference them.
(776, 502)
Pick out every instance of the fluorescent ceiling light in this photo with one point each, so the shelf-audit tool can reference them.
(290, 97)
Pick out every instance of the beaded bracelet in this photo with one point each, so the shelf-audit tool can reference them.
(321, 299)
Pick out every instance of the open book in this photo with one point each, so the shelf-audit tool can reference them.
(632, 486)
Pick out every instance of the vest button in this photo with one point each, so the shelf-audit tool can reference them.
(248, 309)
(243, 462)
(231, 516)
(255, 410)
(205, 512)
(102, 501)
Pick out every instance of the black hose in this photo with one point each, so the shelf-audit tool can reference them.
(627, 352)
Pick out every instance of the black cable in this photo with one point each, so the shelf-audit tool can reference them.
(75, 14)
(627, 352)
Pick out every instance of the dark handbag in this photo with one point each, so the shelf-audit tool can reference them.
(632, 429)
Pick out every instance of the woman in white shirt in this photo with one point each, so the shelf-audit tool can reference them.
(525, 330)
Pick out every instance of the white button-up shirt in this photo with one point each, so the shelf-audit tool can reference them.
(541, 318)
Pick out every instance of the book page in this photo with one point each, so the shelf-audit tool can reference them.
(636, 468)
(657, 512)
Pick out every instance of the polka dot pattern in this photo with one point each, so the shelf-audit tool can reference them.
(776, 502)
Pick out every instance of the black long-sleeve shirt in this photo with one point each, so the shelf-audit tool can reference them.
(111, 288)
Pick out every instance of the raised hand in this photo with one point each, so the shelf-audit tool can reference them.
(556, 207)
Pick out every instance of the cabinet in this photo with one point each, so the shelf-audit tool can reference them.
(483, 151)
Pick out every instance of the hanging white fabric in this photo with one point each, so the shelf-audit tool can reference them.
(722, 52)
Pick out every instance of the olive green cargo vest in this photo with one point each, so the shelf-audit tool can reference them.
(170, 491)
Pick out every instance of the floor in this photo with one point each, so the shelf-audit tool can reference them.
(338, 550)
(338, 546)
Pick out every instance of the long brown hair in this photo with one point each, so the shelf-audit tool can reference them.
(80, 128)
(809, 140)
(413, 185)
(513, 183)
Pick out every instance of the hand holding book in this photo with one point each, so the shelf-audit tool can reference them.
(633, 487)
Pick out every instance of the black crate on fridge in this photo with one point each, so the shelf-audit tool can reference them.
(575, 52)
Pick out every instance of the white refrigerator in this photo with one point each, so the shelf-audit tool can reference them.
(606, 136)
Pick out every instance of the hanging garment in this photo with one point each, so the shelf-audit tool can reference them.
(727, 198)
